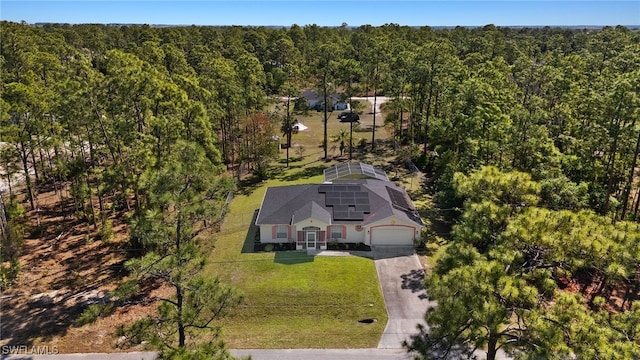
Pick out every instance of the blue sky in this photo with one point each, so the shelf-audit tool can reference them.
(326, 12)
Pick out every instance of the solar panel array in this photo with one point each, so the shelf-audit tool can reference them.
(398, 199)
(348, 202)
(353, 170)
(401, 202)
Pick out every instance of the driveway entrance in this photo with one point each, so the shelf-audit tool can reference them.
(401, 278)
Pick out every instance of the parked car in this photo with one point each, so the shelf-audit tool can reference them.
(347, 116)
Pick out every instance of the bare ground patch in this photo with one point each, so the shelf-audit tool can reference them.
(65, 267)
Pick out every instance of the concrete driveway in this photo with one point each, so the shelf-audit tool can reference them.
(378, 100)
(401, 279)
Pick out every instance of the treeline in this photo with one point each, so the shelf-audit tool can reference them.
(561, 104)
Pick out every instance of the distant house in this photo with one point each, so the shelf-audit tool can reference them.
(315, 100)
(356, 204)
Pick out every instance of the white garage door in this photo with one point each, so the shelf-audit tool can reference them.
(392, 235)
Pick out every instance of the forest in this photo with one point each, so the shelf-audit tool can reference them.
(529, 138)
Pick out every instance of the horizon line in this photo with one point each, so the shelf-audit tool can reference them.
(327, 26)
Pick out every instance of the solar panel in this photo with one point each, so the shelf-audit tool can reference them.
(349, 202)
(398, 199)
(341, 215)
(347, 196)
(341, 208)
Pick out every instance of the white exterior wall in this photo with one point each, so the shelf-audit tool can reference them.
(305, 223)
(354, 236)
(265, 233)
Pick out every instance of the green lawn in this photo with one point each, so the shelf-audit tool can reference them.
(293, 300)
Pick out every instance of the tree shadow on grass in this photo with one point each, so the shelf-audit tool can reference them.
(292, 257)
(253, 235)
(306, 173)
(249, 184)
(283, 163)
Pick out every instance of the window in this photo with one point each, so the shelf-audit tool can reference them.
(336, 232)
(282, 232)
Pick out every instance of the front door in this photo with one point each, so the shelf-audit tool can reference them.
(311, 239)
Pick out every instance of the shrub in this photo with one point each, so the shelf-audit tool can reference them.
(38, 230)
(426, 236)
(106, 231)
(125, 290)
(9, 273)
(92, 313)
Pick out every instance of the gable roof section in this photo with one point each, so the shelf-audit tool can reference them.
(386, 206)
(312, 210)
(279, 203)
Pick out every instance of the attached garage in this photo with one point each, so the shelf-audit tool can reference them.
(388, 235)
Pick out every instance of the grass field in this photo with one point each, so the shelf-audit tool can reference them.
(311, 139)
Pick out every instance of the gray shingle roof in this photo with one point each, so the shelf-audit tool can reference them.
(301, 202)
(312, 210)
(314, 95)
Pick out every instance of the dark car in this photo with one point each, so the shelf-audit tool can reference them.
(349, 117)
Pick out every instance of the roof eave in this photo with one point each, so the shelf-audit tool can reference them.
(260, 209)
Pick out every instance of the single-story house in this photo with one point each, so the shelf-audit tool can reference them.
(356, 204)
(315, 100)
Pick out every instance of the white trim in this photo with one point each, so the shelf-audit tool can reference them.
(388, 221)
(260, 208)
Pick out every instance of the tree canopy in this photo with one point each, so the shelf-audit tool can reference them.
(537, 282)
